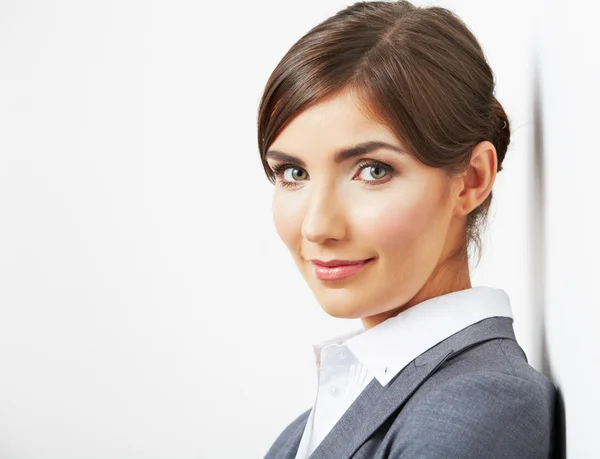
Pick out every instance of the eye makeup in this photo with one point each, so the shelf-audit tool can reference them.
(279, 170)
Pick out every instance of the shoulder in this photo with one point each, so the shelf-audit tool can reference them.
(292, 431)
(478, 414)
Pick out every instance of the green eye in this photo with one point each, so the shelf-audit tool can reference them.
(282, 173)
(295, 176)
(375, 171)
(379, 169)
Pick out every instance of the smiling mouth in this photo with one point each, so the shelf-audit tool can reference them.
(336, 272)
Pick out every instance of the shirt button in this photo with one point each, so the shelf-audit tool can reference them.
(341, 355)
(335, 391)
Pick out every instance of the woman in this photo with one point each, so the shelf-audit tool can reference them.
(383, 137)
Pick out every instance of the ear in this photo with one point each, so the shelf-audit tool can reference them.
(474, 185)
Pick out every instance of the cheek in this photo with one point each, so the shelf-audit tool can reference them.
(400, 223)
(286, 219)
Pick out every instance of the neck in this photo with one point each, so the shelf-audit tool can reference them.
(449, 276)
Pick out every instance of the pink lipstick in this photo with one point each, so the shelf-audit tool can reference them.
(337, 269)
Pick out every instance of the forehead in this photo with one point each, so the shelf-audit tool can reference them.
(331, 125)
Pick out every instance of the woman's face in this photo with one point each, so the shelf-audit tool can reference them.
(382, 205)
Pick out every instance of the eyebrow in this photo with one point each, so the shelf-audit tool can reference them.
(342, 154)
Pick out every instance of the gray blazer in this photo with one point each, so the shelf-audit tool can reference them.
(473, 395)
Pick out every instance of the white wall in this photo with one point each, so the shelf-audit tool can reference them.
(120, 194)
(569, 44)
(147, 308)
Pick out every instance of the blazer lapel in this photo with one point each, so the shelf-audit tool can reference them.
(290, 449)
(376, 403)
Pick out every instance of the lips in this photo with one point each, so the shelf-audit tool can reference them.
(336, 271)
(333, 263)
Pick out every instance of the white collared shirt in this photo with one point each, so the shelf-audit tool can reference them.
(348, 363)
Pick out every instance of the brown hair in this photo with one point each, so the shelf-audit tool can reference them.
(418, 70)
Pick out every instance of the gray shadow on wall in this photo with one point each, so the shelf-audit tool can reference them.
(539, 260)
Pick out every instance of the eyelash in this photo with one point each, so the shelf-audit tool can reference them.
(279, 169)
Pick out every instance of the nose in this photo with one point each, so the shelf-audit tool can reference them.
(324, 218)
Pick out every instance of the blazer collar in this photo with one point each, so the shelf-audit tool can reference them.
(380, 402)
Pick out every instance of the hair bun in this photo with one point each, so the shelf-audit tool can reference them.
(501, 134)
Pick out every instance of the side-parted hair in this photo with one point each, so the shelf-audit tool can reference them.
(417, 70)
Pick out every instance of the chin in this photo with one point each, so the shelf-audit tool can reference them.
(341, 310)
(341, 303)
(341, 314)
